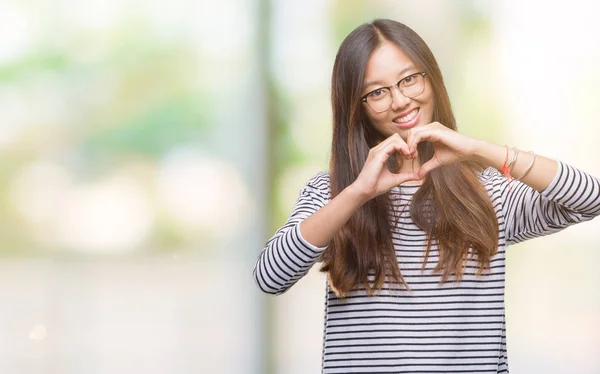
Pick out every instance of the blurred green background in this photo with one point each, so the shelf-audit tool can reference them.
(149, 149)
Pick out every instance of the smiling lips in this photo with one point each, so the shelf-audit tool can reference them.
(407, 120)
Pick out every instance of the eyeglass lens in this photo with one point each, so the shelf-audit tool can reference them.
(381, 100)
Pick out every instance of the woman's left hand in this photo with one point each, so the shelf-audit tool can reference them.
(449, 146)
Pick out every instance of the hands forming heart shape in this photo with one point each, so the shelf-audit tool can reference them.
(449, 146)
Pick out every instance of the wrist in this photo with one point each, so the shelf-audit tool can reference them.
(477, 152)
(490, 154)
(356, 194)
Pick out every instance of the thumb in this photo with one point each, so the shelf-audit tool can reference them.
(404, 177)
(427, 167)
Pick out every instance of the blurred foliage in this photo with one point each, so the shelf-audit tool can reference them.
(34, 61)
(136, 99)
(152, 131)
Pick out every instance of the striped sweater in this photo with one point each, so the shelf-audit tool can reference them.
(451, 327)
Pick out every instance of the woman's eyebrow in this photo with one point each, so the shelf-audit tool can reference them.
(380, 83)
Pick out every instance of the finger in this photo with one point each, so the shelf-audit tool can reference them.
(383, 143)
(421, 135)
(414, 153)
(394, 147)
(383, 154)
(397, 139)
(393, 139)
(412, 141)
(402, 145)
(408, 138)
(427, 167)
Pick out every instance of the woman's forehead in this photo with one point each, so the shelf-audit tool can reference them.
(387, 63)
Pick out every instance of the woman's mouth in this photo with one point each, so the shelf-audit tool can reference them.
(407, 120)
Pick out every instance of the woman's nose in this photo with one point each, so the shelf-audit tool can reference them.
(398, 99)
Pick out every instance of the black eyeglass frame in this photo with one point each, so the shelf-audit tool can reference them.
(421, 73)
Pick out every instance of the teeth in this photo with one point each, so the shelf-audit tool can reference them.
(407, 117)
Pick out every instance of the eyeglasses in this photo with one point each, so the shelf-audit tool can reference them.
(381, 99)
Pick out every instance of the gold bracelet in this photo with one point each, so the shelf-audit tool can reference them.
(530, 166)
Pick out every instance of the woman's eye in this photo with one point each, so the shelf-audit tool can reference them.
(408, 79)
(376, 93)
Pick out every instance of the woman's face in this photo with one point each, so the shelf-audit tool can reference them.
(387, 65)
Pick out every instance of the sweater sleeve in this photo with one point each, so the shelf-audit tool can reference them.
(287, 256)
(572, 197)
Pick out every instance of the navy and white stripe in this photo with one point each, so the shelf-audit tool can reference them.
(451, 327)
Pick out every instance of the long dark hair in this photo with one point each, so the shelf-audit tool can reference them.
(451, 206)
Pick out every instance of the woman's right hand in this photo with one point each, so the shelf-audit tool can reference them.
(375, 178)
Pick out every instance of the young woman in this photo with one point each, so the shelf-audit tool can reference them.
(412, 221)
